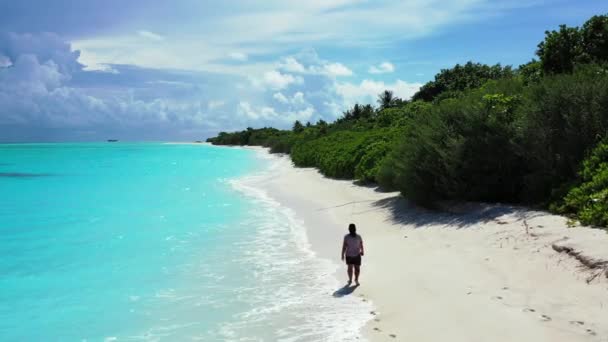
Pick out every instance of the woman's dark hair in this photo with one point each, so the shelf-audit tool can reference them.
(352, 229)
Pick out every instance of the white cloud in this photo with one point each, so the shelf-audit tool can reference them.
(275, 80)
(292, 65)
(262, 113)
(333, 108)
(238, 56)
(269, 115)
(296, 99)
(40, 91)
(368, 90)
(280, 97)
(336, 69)
(29, 74)
(302, 115)
(382, 68)
(316, 66)
(150, 35)
(93, 63)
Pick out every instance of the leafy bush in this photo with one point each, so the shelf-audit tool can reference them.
(400, 116)
(589, 199)
(462, 149)
(369, 165)
(563, 117)
(338, 154)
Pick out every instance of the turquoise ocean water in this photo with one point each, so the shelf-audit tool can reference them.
(145, 241)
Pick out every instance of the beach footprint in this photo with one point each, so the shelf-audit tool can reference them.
(393, 335)
(545, 318)
(528, 310)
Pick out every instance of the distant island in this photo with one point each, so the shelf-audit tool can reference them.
(534, 135)
(112, 140)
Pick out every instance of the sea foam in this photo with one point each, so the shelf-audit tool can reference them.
(293, 297)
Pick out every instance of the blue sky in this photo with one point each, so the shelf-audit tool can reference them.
(186, 69)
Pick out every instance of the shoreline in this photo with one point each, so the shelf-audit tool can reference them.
(310, 281)
(473, 276)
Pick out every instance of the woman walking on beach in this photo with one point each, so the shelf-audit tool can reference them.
(352, 251)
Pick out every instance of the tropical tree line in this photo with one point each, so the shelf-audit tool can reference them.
(536, 134)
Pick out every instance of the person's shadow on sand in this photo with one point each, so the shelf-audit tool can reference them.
(345, 291)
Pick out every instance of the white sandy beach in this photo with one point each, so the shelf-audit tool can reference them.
(472, 276)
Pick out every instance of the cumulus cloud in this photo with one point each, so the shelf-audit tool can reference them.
(46, 47)
(40, 89)
(292, 65)
(322, 94)
(275, 80)
(46, 87)
(280, 97)
(368, 90)
(314, 66)
(296, 99)
(336, 69)
(382, 68)
(302, 115)
(37, 93)
(266, 115)
(246, 109)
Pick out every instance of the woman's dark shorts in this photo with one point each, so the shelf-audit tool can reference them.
(356, 260)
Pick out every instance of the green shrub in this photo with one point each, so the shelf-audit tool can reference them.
(369, 165)
(462, 148)
(338, 154)
(563, 117)
(589, 199)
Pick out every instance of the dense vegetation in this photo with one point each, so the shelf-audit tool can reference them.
(589, 199)
(536, 135)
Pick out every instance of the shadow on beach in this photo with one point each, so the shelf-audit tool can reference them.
(345, 291)
(459, 215)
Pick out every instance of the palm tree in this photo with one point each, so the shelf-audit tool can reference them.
(386, 99)
(357, 111)
(297, 127)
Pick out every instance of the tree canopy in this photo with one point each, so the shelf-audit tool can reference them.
(450, 82)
